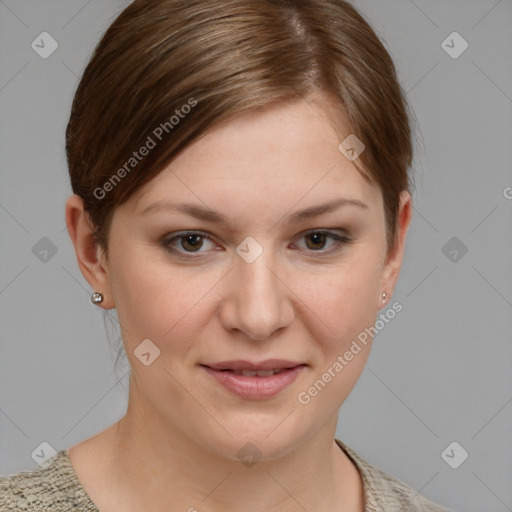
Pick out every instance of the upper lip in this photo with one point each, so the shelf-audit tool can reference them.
(269, 364)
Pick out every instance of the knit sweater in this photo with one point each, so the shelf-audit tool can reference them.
(54, 487)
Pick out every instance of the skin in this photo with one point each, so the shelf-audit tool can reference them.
(176, 447)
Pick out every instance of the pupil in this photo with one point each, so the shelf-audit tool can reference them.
(194, 238)
(315, 237)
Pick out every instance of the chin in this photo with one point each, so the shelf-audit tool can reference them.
(261, 445)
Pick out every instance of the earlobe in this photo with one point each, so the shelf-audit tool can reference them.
(394, 258)
(92, 267)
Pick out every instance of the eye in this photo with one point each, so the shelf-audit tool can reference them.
(189, 242)
(192, 242)
(316, 240)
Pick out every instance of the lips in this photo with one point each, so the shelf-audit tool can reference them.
(255, 381)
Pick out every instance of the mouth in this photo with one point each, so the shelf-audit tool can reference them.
(263, 366)
(255, 381)
(257, 373)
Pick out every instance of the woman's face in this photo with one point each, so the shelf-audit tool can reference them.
(265, 283)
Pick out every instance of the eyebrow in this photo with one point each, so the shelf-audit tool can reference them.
(206, 214)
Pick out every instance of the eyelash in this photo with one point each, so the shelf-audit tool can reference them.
(340, 242)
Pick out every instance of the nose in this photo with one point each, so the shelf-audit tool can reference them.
(257, 298)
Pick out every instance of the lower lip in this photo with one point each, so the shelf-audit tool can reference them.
(254, 387)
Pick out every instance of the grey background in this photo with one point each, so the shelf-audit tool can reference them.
(439, 372)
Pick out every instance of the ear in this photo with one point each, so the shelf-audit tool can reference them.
(393, 263)
(90, 257)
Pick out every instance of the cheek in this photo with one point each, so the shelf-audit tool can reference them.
(343, 299)
(344, 309)
(159, 301)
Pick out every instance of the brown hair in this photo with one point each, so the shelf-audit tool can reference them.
(167, 71)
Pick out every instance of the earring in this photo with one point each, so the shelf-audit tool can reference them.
(384, 297)
(96, 298)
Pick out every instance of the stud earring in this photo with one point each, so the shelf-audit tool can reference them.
(96, 298)
(384, 297)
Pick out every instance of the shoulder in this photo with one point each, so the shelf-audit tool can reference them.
(50, 487)
(385, 492)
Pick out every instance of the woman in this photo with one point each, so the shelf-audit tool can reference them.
(241, 198)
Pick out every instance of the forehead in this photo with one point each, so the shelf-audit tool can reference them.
(285, 152)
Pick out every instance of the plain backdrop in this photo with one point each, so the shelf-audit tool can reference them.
(438, 383)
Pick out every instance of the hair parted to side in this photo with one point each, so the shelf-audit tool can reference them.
(220, 59)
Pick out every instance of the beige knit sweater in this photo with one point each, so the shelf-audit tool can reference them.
(54, 487)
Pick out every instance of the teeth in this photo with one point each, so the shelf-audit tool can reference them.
(259, 373)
